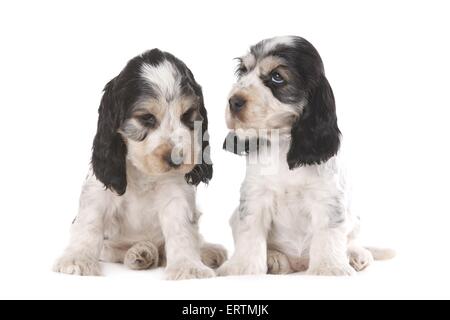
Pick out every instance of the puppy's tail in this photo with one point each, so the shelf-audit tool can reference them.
(381, 253)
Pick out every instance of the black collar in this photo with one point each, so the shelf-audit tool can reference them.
(243, 147)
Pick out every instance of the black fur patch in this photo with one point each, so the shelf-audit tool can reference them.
(315, 135)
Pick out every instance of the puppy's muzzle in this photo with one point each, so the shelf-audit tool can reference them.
(237, 103)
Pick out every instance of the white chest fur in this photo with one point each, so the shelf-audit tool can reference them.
(135, 216)
(293, 198)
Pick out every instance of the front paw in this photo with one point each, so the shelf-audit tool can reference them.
(331, 270)
(77, 265)
(241, 267)
(188, 270)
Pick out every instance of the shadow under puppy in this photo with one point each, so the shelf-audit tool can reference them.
(294, 211)
(150, 151)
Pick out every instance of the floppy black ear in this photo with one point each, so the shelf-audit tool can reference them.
(109, 150)
(202, 172)
(315, 135)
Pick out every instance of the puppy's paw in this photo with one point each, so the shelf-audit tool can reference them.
(142, 255)
(278, 263)
(238, 267)
(213, 255)
(77, 265)
(331, 270)
(360, 258)
(299, 264)
(188, 270)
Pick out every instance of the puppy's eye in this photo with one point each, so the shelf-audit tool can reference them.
(147, 120)
(276, 78)
(190, 117)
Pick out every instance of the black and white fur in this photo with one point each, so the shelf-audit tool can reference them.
(138, 204)
(294, 212)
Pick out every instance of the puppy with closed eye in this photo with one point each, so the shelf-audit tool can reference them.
(138, 206)
(293, 213)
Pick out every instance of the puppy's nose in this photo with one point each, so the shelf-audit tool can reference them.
(237, 103)
(173, 163)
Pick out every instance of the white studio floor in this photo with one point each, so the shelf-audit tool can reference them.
(398, 278)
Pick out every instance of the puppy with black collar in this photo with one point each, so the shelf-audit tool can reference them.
(294, 213)
(150, 152)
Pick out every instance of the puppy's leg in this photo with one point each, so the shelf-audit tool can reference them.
(328, 251)
(278, 263)
(114, 251)
(250, 226)
(182, 241)
(86, 241)
(142, 255)
(213, 255)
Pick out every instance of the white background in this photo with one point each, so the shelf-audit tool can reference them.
(388, 64)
